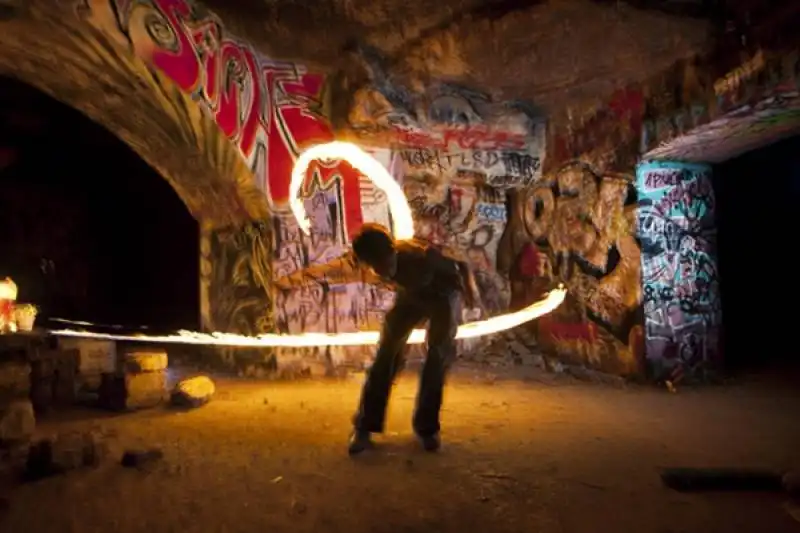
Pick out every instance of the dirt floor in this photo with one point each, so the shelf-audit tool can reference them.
(539, 455)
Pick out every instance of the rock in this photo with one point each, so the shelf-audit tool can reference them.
(193, 392)
(149, 361)
(140, 458)
(17, 422)
(554, 365)
(65, 452)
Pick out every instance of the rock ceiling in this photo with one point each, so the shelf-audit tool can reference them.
(555, 54)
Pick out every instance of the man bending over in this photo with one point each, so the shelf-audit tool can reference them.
(428, 285)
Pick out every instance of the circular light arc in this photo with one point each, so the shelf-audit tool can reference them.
(399, 209)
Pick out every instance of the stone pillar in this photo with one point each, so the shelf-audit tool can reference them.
(235, 281)
(677, 229)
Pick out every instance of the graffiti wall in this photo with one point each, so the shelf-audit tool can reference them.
(474, 149)
(455, 179)
(700, 107)
(577, 227)
(747, 128)
(457, 153)
(679, 269)
(269, 111)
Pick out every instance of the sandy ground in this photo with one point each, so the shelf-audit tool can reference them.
(519, 456)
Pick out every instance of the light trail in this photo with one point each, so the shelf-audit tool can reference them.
(403, 229)
(358, 338)
(402, 220)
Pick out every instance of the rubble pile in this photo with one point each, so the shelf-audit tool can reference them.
(506, 349)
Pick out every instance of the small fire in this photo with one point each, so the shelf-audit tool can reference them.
(358, 338)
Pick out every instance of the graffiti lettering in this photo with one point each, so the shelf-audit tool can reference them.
(737, 76)
(581, 219)
(268, 109)
(519, 164)
(465, 138)
(501, 168)
(492, 212)
(659, 180)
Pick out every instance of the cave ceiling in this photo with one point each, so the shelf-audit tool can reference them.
(555, 54)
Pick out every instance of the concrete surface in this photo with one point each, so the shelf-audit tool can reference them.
(547, 455)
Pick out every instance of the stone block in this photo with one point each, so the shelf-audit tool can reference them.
(95, 356)
(89, 382)
(121, 392)
(15, 380)
(145, 361)
(41, 394)
(193, 392)
(17, 422)
(64, 390)
(49, 363)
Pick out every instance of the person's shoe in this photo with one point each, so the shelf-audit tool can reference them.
(430, 443)
(360, 441)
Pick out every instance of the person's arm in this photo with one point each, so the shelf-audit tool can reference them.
(472, 297)
(344, 269)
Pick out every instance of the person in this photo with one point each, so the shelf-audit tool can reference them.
(430, 285)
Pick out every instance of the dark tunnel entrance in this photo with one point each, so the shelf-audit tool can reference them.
(88, 230)
(758, 200)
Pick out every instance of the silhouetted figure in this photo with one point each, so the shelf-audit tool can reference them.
(429, 285)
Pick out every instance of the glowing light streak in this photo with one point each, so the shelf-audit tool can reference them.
(403, 229)
(358, 338)
(364, 163)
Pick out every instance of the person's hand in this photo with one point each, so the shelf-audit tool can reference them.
(474, 305)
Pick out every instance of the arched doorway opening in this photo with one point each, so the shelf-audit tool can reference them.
(87, 229)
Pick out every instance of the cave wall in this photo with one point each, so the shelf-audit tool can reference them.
(576, 226)
(529, 204)
(455, 158)
(456, 154)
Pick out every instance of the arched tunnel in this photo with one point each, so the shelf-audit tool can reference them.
(637, 158)
(90, 232)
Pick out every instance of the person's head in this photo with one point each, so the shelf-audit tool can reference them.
(374, 246)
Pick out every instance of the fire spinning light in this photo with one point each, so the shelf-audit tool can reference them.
(364, 163)
(403, 229)
(358, 338)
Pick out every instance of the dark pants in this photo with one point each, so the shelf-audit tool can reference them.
(443, 314)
